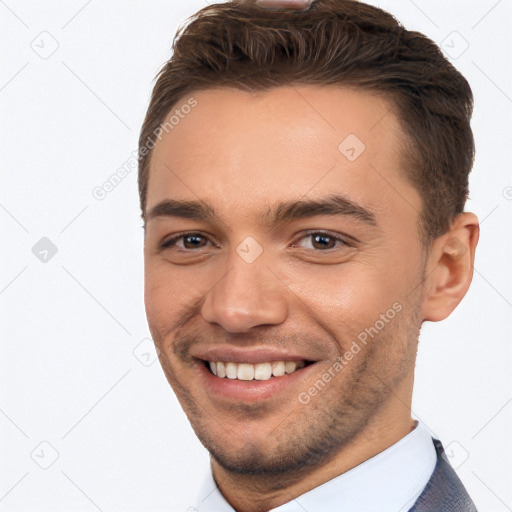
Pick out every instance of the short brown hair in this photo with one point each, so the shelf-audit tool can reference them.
(241, 45)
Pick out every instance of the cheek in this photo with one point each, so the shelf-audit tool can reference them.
(161, 302)
(348, 298)
(172, 293)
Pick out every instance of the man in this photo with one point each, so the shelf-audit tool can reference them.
(303, 175)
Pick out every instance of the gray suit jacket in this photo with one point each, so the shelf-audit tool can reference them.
(444, 491)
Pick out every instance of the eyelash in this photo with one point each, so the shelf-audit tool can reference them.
(343, 241)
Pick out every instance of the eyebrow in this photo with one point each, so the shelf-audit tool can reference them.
(281, 213)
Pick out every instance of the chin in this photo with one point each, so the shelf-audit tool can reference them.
(263, 454)
(257, 461)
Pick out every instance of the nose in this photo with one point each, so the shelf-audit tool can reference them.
(247, 295)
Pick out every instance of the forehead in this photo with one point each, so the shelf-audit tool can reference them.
(240, 149)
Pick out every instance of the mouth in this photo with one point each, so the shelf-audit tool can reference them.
(244, 371)
(252, 376)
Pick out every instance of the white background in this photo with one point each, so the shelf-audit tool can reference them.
(71, 371)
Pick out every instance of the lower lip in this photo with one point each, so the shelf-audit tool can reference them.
(252, 390)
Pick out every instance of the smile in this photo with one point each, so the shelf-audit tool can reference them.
(259, 371)
(250, 374)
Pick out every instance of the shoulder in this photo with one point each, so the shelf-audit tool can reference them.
(444, 491)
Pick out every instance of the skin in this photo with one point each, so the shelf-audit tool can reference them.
(242, 153)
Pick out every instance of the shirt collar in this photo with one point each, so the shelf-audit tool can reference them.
(390, 481)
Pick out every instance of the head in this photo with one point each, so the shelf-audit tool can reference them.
(302, 181)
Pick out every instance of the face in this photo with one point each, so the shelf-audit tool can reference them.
(282, 247)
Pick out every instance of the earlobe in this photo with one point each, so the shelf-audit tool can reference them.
(449, 269)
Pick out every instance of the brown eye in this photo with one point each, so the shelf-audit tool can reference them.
(323, 241)
(320, 241)
(190, 241)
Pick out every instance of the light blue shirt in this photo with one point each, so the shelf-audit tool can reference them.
(390, 481)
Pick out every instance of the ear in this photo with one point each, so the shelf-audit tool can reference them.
(449, 268)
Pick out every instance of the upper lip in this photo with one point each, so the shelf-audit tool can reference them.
(247, 355)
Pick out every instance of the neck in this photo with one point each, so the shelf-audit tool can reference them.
(260, 493)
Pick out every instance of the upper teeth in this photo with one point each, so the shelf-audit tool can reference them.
(260, 371)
